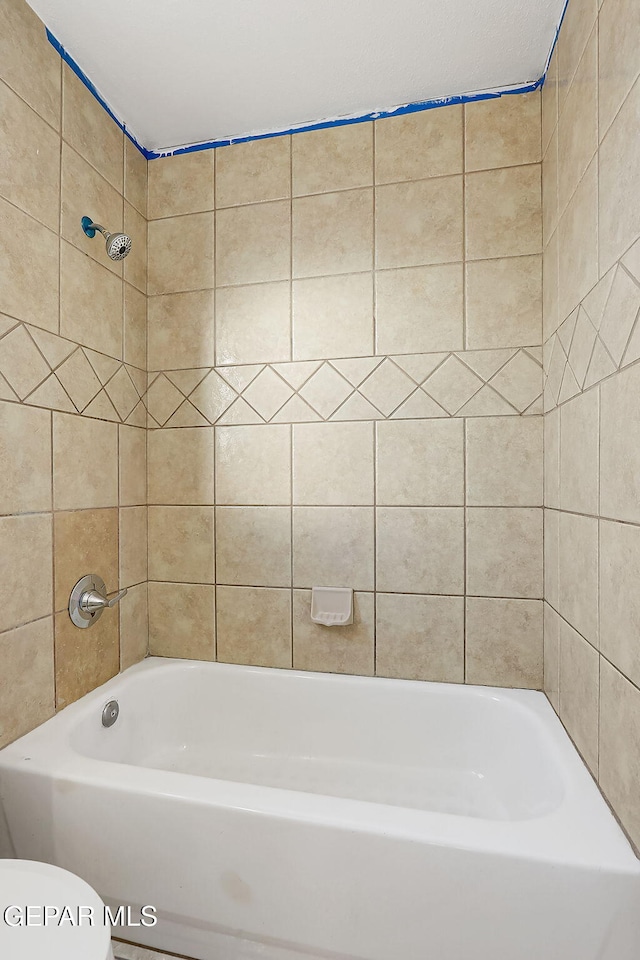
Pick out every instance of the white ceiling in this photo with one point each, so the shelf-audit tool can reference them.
(185, 71)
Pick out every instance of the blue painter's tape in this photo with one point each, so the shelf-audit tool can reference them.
(555, 41)
(68, 59)
(415, 107)
(407, 108)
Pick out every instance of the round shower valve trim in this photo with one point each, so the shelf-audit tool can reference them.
(89, 599)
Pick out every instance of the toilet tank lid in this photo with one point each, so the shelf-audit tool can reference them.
(31, 934)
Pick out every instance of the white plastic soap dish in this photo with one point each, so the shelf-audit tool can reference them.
(332, 606)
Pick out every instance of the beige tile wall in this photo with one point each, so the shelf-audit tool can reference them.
(591, 217)
(72, 372)
(345, 388)
(344, 333)
(344, 345)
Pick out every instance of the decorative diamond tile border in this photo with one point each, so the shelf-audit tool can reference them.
(601, 336)
(474, 383)
(41, 369)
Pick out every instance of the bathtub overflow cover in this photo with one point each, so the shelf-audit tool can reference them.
(110, 713)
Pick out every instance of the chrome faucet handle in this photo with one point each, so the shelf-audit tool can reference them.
(118, 597)
(89, 599)
(92, 601)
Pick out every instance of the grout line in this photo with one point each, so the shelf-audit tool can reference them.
(598, 561)
(592, 516)
(51, 415)
(374, 282)
(214, 514)
(598, 708)
(214, 436)
(379, 357)
(622, 105)
(376, 445)
(593, 646)
(464, 228)
(465, 547)
(119, 578)
(359, 506)
(341, 190)
(329, 276)
(291, 532)
(60, 134)
(358, 589)
(53, 567)
(291, 242)
(146, 380)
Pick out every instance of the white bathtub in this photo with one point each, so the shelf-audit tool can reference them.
(281, 815)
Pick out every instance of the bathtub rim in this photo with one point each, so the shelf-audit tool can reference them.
(581, 831)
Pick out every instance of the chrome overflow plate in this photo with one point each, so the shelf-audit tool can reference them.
(110, 713)
(88, 600)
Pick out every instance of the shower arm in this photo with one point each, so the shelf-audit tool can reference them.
(90, 228)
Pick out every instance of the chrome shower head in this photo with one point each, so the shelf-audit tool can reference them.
(118, 244)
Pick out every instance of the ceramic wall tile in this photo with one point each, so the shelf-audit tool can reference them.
(254, 626)
(504, 642)
(85, 541)
(28, 697)
(333, 464)
(25, 454)
(24, 42)
(579, 692)
(182, 619)
(420, 463)
(181, 544)
(420, 550)
(64, 388)
(338, 158)
(419, 222)
(90, 131)
(253, 171)
(26, 589)
(619, 751)
(181, 185)
(503, 132)
(29, 160)
(420, 309)
(420, 637)
(504, 461)
(504, 552)
(591, 301)
(333, 546)
(253, 546)
(253, 243)
(319, 648)
(419, 145)
(510, 226)
(333, 233)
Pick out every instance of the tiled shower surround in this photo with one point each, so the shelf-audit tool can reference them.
(358, 312)
(72, 474)
(340, 383)
(591, 214)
